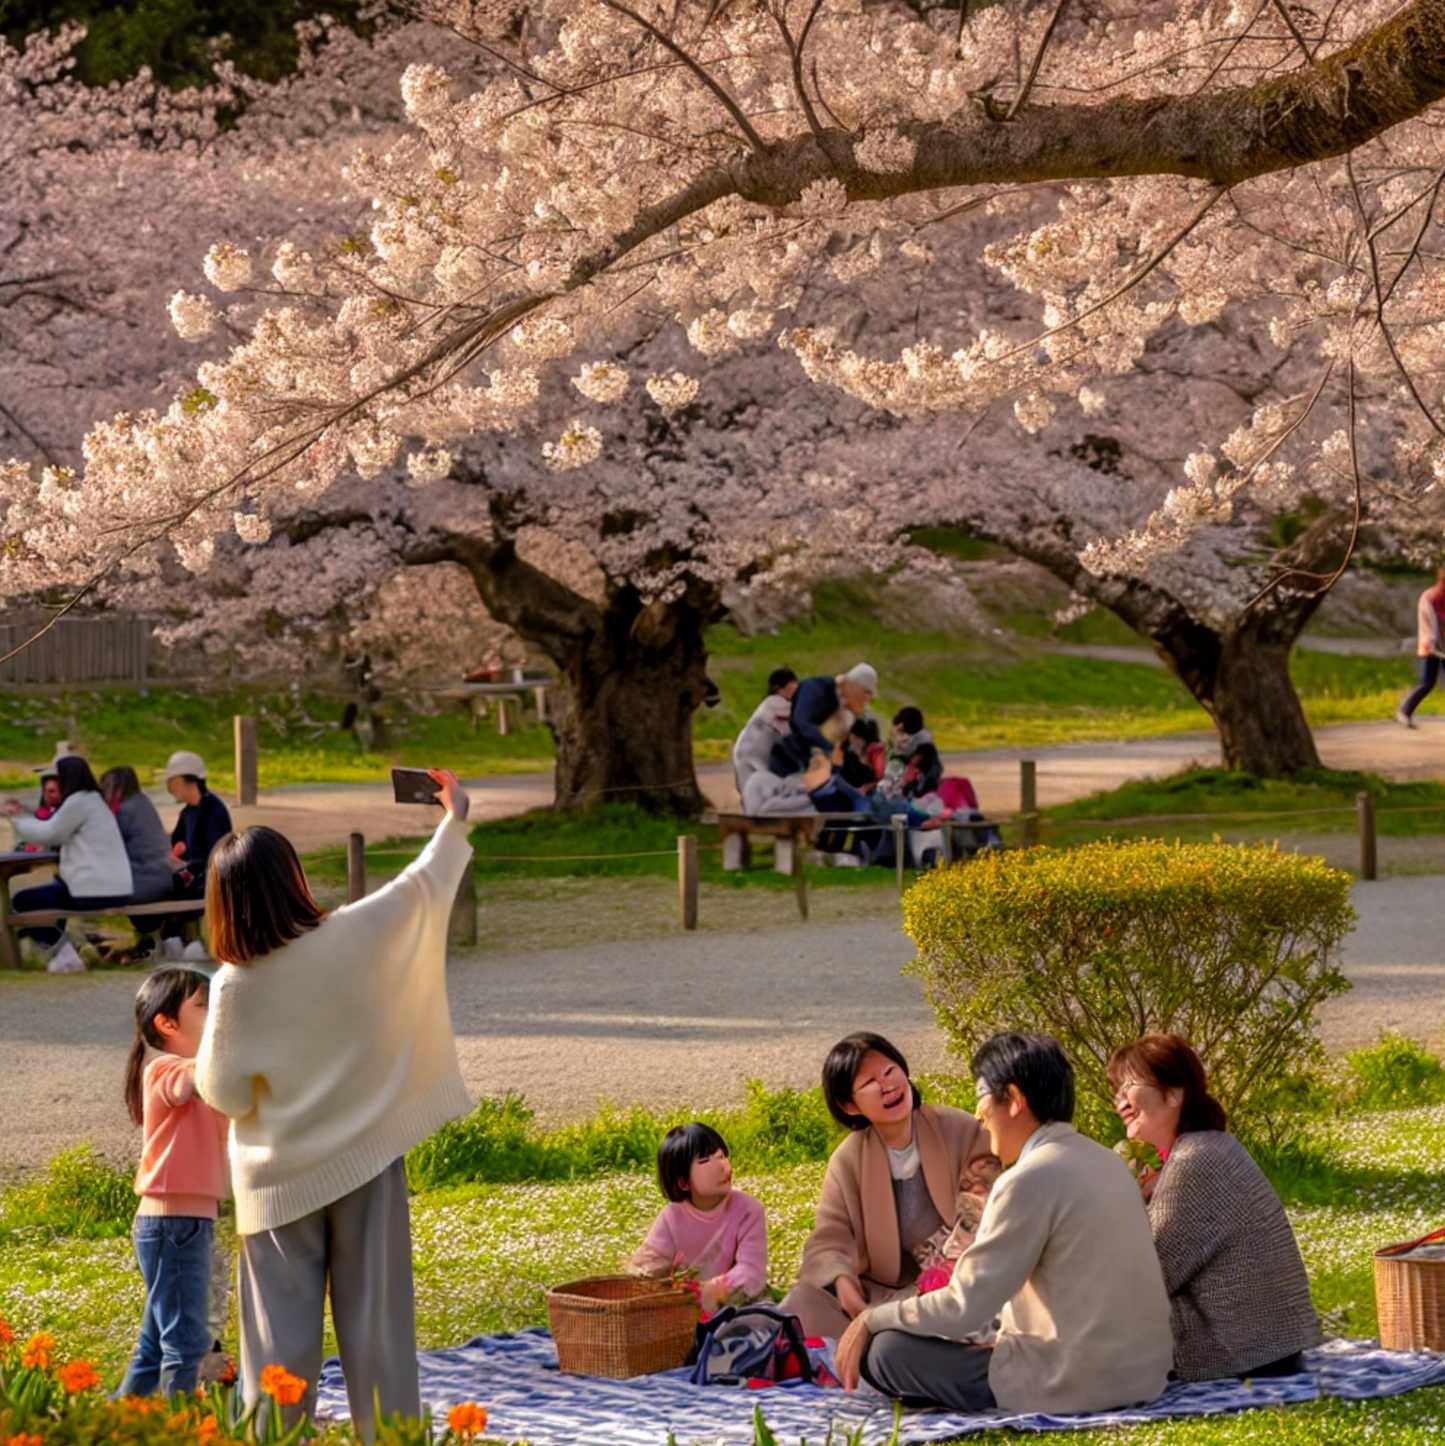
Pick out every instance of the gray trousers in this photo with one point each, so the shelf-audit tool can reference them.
(361, 1244)
(926, 1371)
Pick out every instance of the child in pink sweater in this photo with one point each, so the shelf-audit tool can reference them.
(708, 1227)
(181, 1181)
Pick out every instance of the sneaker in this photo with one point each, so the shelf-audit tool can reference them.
(1403, 718)
(66, 960)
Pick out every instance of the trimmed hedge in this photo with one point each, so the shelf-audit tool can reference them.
(1233, 947)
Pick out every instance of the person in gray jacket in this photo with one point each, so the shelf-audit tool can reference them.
(147, 845)
(1238, 1292)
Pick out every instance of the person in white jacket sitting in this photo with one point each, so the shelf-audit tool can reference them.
(94, 869)
(329, 1045)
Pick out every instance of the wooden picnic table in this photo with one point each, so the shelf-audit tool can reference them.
(16, 862)
(477, 695)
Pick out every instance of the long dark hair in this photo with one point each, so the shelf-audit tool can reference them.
(162, 993)
(120, 783)
(257, 897)
(75, 776)
(1169, 1062)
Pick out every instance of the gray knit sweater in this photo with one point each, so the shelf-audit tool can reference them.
(1237, 1286)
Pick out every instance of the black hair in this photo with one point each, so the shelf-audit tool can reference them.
(841, 1068)
(1036, 1064)
(75, 776)
(162, 992)
(910, 720)
(779, 679)
(198, 781)
(120, 781)
(865, 729)
(681, 1148)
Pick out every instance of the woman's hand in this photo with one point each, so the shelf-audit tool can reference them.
(451, 795)
(13, 808)
(850, 1297)
(848, 1356)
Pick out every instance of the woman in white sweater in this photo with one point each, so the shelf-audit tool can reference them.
(329, 1045)
(94, 870)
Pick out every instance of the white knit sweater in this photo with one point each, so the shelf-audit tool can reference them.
(93, 861)
(334, 1054)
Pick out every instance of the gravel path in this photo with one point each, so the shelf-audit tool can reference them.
(664, 1021)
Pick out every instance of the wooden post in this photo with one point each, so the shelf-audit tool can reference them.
(541, 695)
(245, 761)
(900, 847)
(462, 926)
(355, 868)
(1365, 805)
(687, 878)
(502, 729)
(800, 882)
(1029, 801)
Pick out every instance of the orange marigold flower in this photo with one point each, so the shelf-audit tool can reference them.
(23, 1440)
(467, 1420)
(6, 1334)
(208, 1430)
(36, 1355)
(78, 1376)
(283, 1388)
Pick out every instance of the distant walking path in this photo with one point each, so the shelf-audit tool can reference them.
(685, 1020)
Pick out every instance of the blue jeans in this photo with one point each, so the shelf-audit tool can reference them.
(174, 1254)
(1429, 673)
(55, 895)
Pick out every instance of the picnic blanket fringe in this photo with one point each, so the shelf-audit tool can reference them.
(515, 1377)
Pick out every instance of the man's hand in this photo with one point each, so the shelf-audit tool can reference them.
(850, 1297)
(852, 1347)
(452, 796)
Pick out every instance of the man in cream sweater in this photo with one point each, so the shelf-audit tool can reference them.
(1064, 1260)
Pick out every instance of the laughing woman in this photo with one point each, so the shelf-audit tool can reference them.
(890, 1185)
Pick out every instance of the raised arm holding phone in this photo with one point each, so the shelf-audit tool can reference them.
(329, 1045)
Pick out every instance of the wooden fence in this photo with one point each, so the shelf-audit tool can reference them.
(76, 651)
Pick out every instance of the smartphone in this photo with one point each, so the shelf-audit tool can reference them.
(414, 785)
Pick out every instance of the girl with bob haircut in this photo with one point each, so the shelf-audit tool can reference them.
(890, 1186)
(707, 1227)
(1238, 1291)
(330, 1047)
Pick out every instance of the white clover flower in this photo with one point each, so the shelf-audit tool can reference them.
(709, 333)
(750, 325)
(424, 91)
(192, 316)
(576, 447)
(251, 526)
(672, 390)
(543, 336)
(227, 267)
(431, 464)
(1034, 411)
(885, 152)
(1093, 401)
(602, 381)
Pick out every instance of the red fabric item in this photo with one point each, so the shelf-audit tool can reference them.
(957, 793)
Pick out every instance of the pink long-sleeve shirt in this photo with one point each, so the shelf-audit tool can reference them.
(729, 1242)
(183, 1160)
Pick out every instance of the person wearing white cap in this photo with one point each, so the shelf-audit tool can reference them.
(823, 711)
(203, 823)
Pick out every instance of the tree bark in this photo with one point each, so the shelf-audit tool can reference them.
(630, 675)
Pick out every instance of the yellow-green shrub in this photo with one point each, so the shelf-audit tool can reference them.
(1234, 948)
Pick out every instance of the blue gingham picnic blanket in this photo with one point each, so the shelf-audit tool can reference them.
(516, 1378)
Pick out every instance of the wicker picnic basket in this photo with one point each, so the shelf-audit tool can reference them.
(620, 1325)
(1410, 1297)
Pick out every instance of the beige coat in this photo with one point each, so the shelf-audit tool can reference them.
(1065, 1259)
(856, 1234)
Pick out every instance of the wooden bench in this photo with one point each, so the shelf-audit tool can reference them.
(792, 832)
(192, 910)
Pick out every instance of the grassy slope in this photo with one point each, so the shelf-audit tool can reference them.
(485, 1252)
(975, 692)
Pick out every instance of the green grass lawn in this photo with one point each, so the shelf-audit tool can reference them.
(975, 693)
(486, 1251)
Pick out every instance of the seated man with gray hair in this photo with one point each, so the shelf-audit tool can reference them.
(823, 711)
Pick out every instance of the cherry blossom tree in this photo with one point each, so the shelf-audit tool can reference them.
(710, 164)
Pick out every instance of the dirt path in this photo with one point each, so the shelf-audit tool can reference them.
(685, 1019)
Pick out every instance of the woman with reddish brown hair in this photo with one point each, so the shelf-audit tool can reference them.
(1237, 1286)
